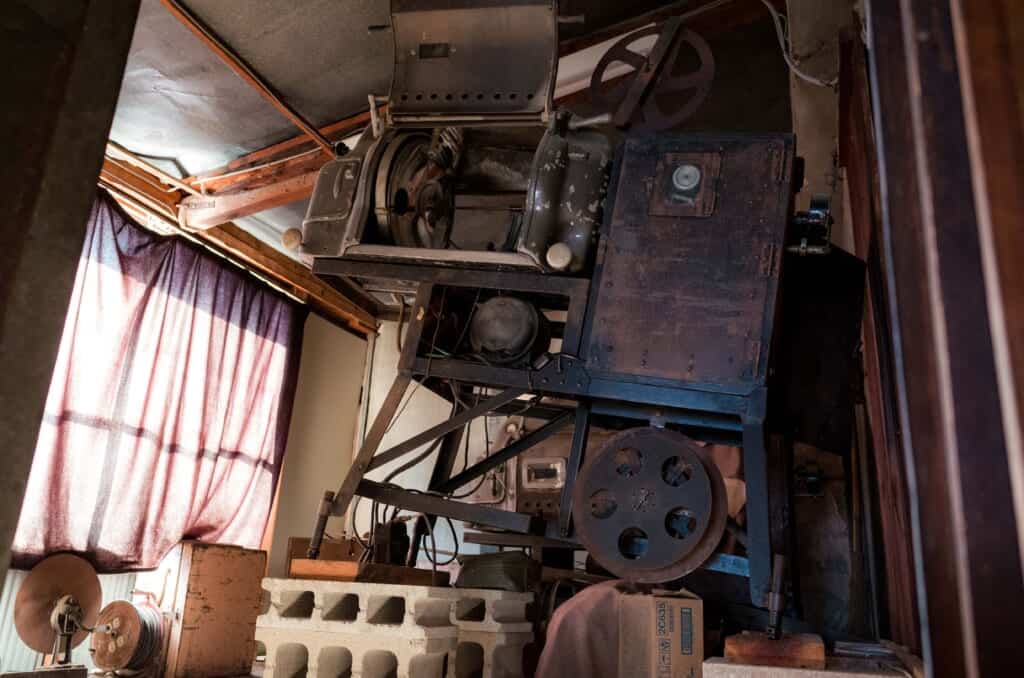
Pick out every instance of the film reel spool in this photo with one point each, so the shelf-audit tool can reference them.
(131, 639)
(650, 506)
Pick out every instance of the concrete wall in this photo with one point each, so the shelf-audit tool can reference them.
(321, 435)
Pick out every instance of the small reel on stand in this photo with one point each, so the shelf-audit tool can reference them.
(57, 605)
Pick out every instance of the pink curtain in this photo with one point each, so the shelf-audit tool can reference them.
(169, 404)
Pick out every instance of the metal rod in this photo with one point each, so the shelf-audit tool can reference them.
(244, 71)
(506, 453)
(580, 433)
(435, 432)
(380, 426)
(433, 505)
(759, 548)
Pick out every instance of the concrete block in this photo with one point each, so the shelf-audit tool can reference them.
(292, 653)
(489, 655)
(346, 606)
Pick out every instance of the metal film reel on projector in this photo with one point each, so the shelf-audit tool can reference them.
(633, 100)
(650, 506)
(413, 201)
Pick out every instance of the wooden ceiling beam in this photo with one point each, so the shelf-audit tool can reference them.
(323, 298)
(336, 131)
(206, 211)
(155, 205)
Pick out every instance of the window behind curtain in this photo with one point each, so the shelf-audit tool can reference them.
(169, 404)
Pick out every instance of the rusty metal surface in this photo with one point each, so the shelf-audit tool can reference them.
(453, 58)
(650, 505)
(711, 281)
(538, 500)
(635, 101)
(568, 183)
(59, 575)
(113, 648)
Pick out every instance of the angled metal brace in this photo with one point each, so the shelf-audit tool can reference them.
(430, 504)
(435, 432)
(503, 455)
(580, 433)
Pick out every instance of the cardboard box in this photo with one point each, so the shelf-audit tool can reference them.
(661, 635)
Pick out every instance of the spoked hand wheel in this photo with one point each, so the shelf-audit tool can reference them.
(650, 505)
(668, 107)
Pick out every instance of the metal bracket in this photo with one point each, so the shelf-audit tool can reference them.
(559, 372)
(814, 228)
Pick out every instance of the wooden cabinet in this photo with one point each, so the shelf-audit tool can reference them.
(211, 595)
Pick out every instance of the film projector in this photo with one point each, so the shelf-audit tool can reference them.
(611, 275)
(58, 607)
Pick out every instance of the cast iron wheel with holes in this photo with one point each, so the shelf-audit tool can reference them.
(650, 505)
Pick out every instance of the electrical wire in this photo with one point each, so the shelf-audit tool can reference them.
(465, 457)
(433, 545)
(469, 320)
(455, 541)
(413, 462)
(401, 321)
(782, 32)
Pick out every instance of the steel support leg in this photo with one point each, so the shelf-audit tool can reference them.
(580, 432)
(755, 473)
(338, 503)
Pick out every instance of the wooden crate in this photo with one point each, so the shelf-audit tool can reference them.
(212, 594)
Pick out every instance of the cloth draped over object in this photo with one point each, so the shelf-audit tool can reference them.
(169, 404)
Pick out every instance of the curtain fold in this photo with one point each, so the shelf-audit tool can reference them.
(169, 405)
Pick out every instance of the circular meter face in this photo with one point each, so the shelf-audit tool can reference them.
(686, 177)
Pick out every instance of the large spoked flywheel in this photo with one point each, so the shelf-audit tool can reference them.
(650, 505)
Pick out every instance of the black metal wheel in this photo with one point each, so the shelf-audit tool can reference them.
(650, 505)
(661, 110)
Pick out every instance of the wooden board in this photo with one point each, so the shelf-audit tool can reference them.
(799, 651)
(330, 570)
(688, 294)
(349, 549)
(55, 671)
(837, 667)
(377, 573)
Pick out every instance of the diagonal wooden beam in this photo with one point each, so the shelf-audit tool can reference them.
(244, 71)
(285, 150)
(206, 211)
(154, 205)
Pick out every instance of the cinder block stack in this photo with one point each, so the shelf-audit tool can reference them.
(328, 629)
